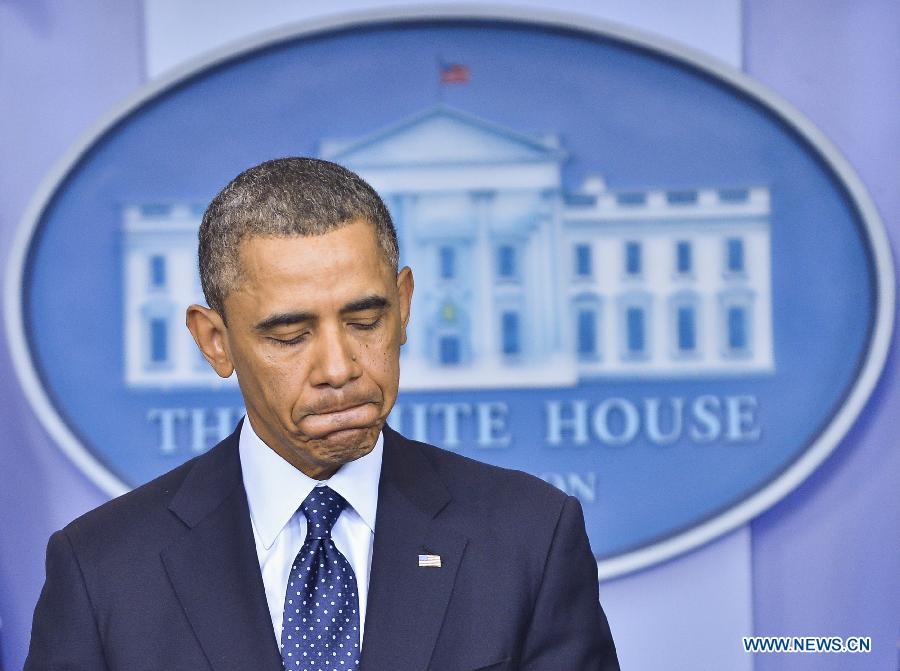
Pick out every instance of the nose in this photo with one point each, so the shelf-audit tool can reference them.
(334, 363)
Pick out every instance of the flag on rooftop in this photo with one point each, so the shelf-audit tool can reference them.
(454, 73)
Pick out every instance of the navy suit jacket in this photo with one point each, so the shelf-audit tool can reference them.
(167, 577)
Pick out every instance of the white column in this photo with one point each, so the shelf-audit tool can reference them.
(548, 308)
(559, 279)
(532, 325)
(485, 318)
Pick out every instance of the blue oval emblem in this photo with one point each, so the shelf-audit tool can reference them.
(639, 275)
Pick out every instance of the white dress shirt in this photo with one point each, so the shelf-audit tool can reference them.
(275, 490)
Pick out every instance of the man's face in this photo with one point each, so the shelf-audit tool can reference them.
(314, 333)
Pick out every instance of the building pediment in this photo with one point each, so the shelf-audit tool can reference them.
(442, 136)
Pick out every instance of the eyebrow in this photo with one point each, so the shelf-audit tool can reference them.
(370, 302)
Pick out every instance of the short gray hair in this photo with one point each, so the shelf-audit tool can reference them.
(282, 198)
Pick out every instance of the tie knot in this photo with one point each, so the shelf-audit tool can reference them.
(322, 508)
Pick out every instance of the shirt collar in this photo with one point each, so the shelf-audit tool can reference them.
(275, 489)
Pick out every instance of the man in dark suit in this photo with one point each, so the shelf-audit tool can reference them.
(315, 536)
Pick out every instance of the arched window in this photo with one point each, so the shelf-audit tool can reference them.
(583, 258)
(159, 340)
(737, 328)
(448, 335)
(156, 337)
(586, 323)
(736, 322)
(447, 262)
(507, 262)
(449, 350)
(509, 331)
(684, 324)
(635, 327)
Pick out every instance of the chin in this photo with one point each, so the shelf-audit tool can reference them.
(347, 445)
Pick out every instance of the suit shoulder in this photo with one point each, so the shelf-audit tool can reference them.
(497, 507)
(129, 515)
(475, 476)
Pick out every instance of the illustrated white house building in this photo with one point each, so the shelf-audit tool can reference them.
(519, 282)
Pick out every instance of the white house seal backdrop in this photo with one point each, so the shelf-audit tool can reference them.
(606, 238)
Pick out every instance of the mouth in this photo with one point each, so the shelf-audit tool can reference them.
(341, 418)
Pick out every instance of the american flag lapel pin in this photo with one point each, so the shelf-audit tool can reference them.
(433, 561)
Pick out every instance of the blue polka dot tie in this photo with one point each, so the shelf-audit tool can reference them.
(320, 626)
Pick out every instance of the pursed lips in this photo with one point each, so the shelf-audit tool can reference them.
(353, 416)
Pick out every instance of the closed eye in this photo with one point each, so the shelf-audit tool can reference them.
(366, 326)
(289, 341)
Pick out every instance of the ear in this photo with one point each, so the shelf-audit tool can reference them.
(405, 291)
(211, 336)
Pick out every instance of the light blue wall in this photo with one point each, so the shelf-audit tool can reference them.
(62, 66)
(827, 558)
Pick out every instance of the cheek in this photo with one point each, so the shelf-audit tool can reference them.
(383, 363)
(285, 375)
(276, 377)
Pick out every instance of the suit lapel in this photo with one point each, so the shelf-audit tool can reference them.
(406, 603)
(214, 568)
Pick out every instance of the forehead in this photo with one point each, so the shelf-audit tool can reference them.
(348, 256)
